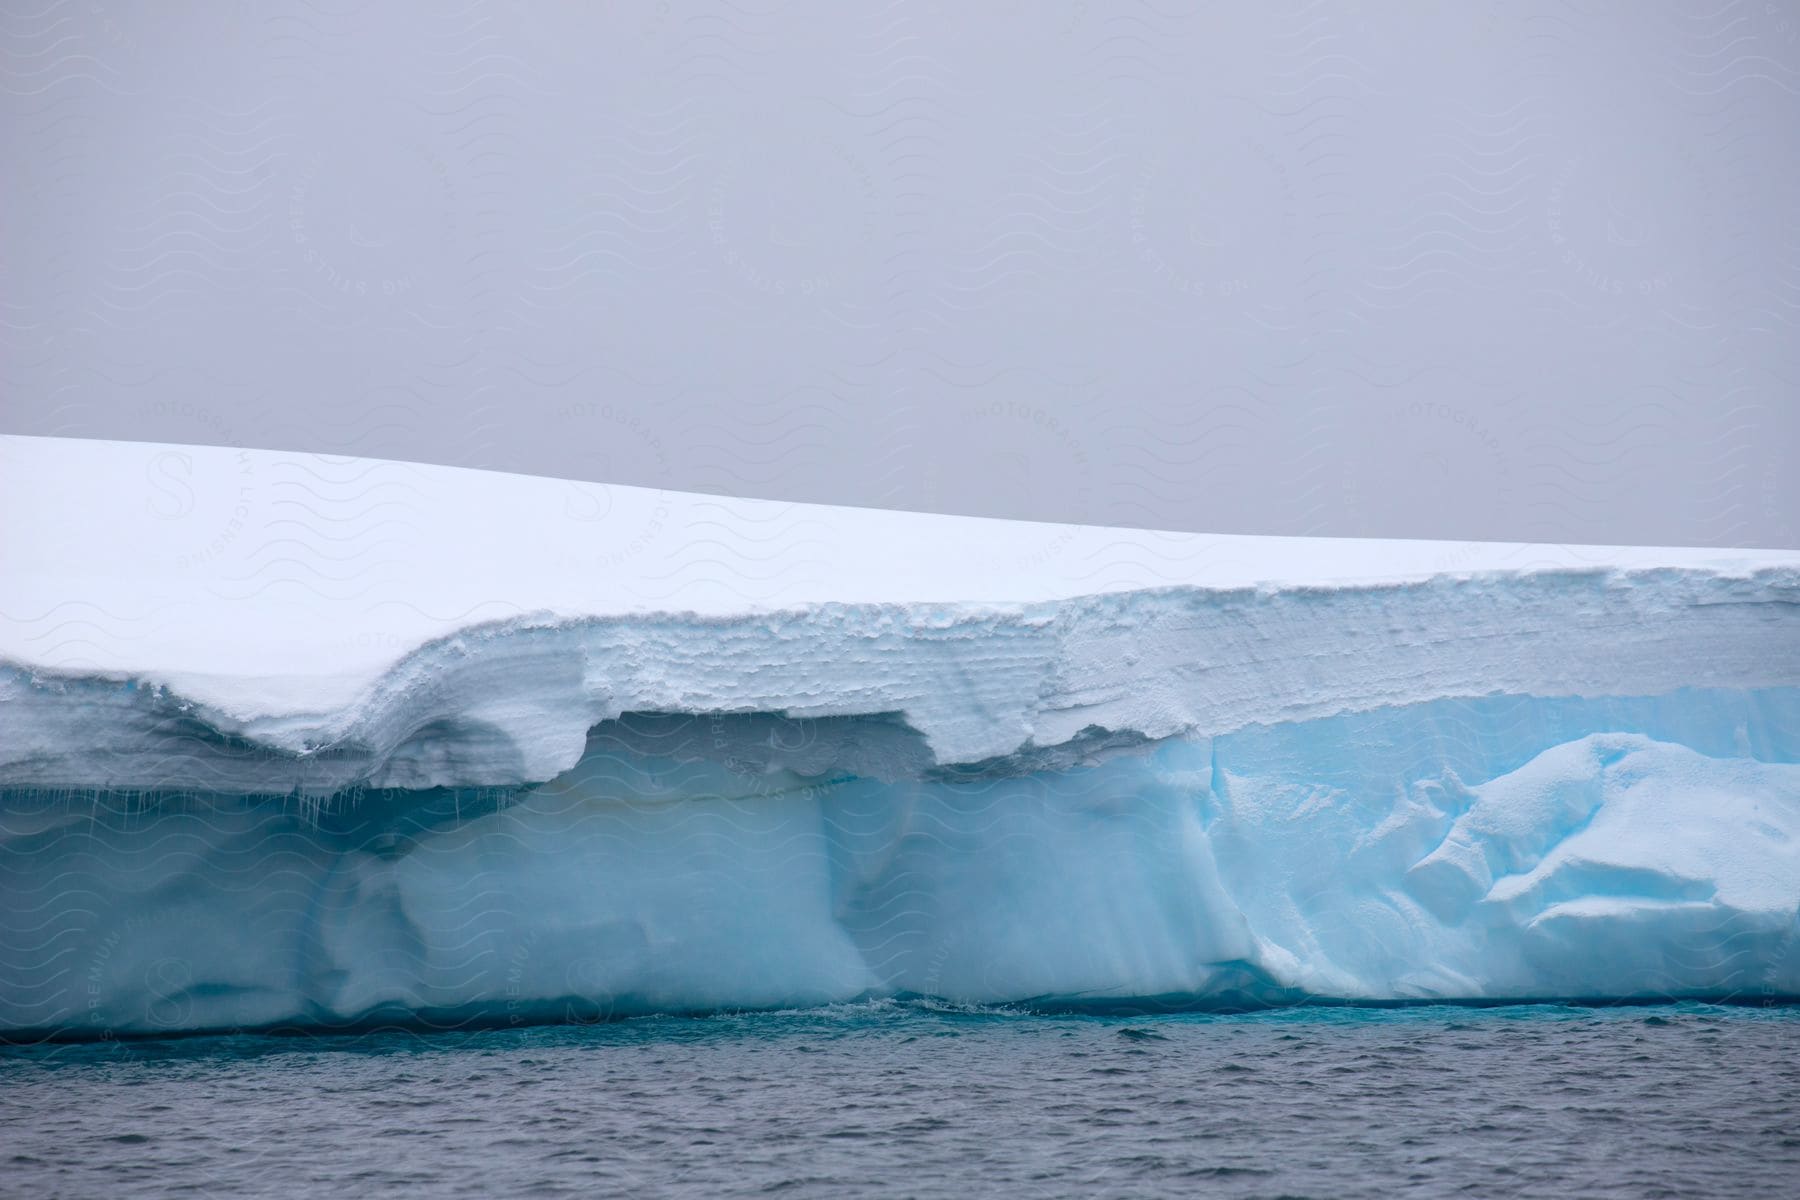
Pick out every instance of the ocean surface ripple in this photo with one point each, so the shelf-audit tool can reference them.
(909, 1099)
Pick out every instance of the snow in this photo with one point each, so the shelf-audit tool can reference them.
(219, 566)
(400, 625)
(308, 741)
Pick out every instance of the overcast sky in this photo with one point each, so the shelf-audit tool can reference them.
(1521, 270)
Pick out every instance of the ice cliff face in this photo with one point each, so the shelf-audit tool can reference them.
(1309, 772)
(1343, 857)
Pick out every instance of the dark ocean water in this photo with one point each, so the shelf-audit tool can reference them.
(909, 1100)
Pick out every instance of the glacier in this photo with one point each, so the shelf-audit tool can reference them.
(333, 742)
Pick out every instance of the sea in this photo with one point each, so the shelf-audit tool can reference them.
(893, 1098)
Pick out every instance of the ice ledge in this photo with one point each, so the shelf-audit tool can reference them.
(512, 702)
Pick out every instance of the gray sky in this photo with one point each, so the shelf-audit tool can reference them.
(1483, 270)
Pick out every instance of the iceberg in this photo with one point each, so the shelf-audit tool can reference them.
(291, 741)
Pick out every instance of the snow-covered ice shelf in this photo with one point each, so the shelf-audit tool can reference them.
(288, 740)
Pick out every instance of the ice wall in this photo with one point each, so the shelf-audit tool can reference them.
(1483, 849)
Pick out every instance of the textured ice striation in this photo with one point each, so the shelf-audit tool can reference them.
(1549, 782)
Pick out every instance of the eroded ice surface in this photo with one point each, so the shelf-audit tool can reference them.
(466, 783)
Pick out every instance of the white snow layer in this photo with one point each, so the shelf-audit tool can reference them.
(298, 740)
